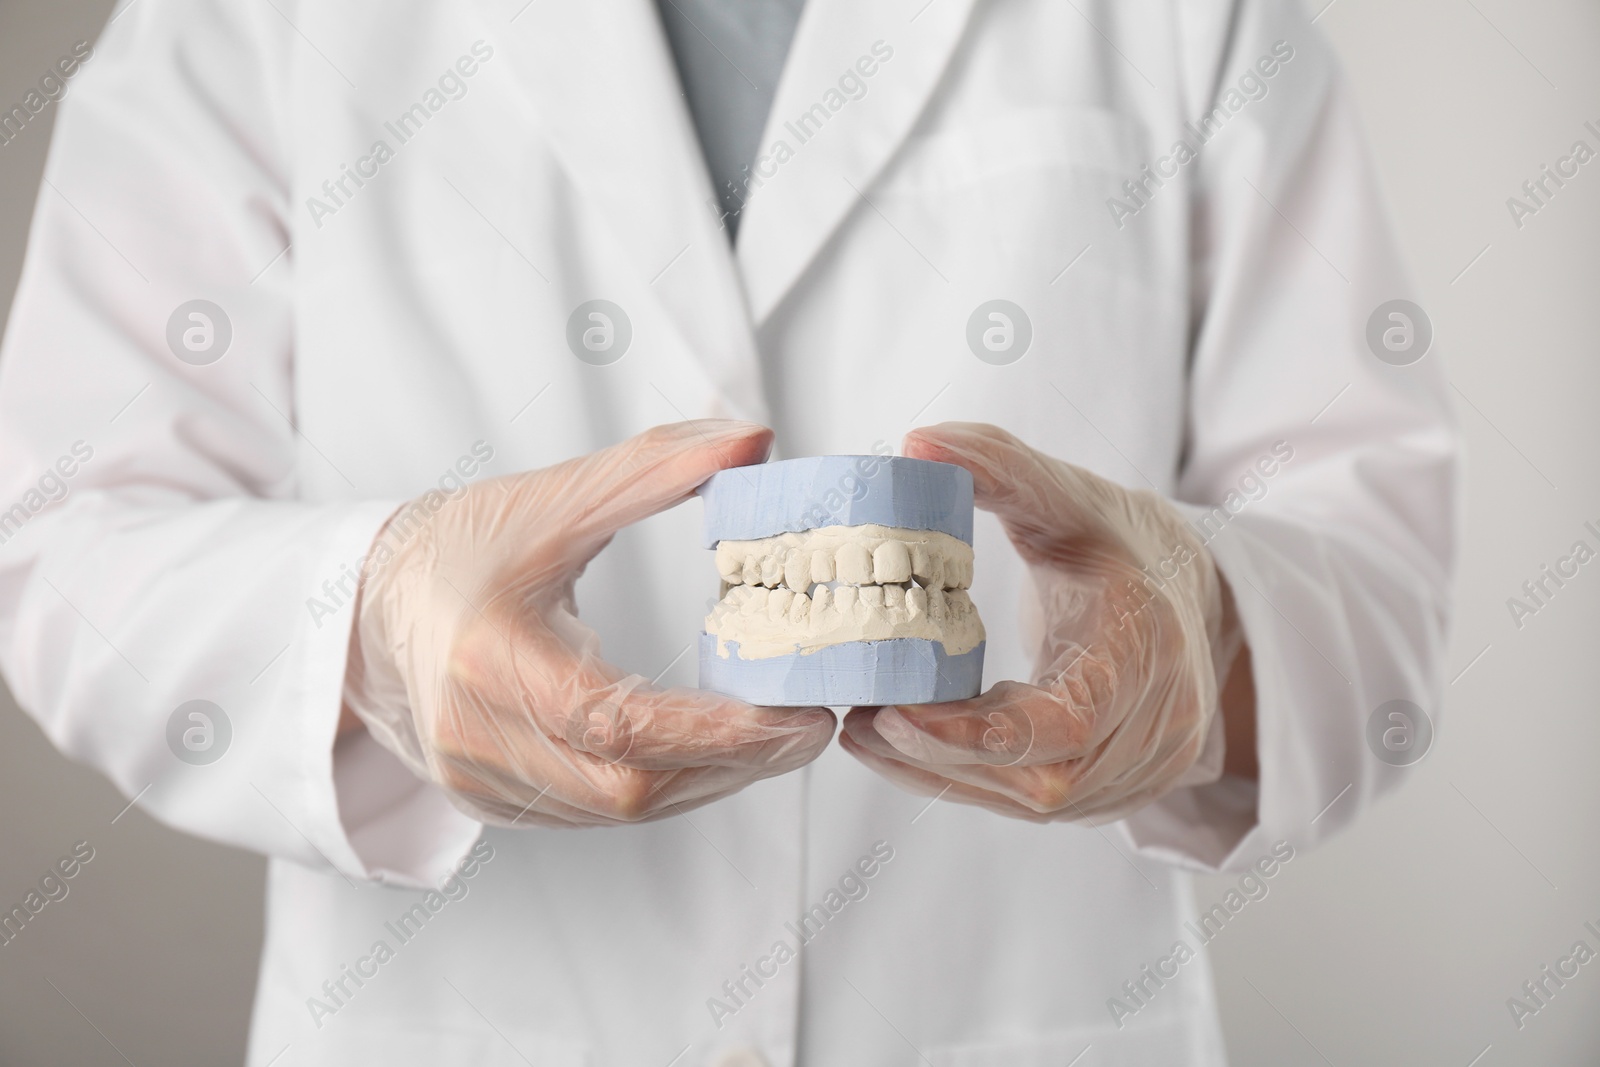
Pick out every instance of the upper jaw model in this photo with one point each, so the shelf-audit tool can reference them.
(844, 581)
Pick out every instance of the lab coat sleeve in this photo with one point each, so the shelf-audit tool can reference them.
(153, 550)
(1323, 479)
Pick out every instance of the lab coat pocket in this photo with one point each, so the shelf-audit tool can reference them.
(971, 151)
(1007, 199)
(1170, 1040)
(348, 1043)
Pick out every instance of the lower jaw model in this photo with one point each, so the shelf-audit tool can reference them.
(851, 612)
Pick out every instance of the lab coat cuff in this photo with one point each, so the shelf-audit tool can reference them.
(362, 811)
(1208, 822)
(402, 829)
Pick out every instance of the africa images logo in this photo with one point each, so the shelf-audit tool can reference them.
(199, 732)
(1250, 87)
(337, 191)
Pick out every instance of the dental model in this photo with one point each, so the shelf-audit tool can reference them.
(844, 581)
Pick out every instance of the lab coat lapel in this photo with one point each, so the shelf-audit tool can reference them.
(603, 85)
(799, 199)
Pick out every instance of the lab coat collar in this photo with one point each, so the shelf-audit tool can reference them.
(802, 197)
(604, 88)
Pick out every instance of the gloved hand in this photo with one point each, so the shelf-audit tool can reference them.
(469, 663)
(1126, 680)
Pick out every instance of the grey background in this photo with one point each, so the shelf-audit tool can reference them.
(1396, 944)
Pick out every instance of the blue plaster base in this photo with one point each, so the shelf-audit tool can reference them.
(749, 503)
(899, 671)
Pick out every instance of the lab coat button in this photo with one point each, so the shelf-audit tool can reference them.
(742, 1056)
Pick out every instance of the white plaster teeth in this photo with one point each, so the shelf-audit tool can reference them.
(894, 605)
(797, 570)
(816, 588)
(824, 616)
(821, 566)
(853, 564)
(891, 562)
(730, 563)
(864, 555)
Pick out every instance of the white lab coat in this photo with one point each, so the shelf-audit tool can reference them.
(429, 312)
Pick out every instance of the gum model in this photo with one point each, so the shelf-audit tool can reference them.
(844, 581)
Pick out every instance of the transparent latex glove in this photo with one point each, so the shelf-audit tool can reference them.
(469, 663)
(1125, 687)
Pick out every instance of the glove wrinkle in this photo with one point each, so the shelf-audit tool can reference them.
(1133, 638)
(469, 662)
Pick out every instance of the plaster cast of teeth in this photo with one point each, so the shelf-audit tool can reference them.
(843, 582)
(875, 601)
(855, 555)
